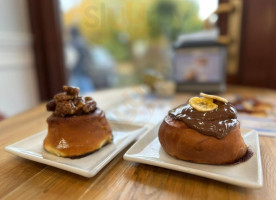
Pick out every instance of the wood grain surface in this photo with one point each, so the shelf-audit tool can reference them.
(120, 179)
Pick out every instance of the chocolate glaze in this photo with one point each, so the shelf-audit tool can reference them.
(246, 157)
(217, 123)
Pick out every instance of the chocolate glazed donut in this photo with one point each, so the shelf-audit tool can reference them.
(212, 137)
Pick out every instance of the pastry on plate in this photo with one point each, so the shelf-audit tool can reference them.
(204, 130)
(252, 106)
(77, 126)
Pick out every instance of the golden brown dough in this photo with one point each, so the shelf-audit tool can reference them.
(77, 135)
(77, 126)
(184, 143)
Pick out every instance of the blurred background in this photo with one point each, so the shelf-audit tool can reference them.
(98, 44)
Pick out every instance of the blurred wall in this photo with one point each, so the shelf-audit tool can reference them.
(258, 44)
(18, 84)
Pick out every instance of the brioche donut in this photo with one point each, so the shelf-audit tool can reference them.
(185, 143)
(78, 135)
(207, 137)
(76, 127)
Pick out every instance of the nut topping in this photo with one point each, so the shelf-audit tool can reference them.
(68, 103)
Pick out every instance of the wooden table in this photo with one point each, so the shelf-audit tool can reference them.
(120, 179)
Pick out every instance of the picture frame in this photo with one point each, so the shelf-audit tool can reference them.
(200, 66)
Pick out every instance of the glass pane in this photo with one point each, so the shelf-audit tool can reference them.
(126, 42)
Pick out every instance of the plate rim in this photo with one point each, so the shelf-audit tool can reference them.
(234, 181)
(90, 172)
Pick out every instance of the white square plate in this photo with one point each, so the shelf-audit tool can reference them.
(148, 150)
(123, 134)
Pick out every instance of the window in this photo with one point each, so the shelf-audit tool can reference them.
(125, 42)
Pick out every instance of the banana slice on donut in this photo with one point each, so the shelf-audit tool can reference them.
(214, 97)
(202, 104)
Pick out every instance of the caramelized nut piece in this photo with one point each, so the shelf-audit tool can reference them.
(62, 97)
(71, 90)
(89, 106)
(77, 100)
(79, 105)
(65, 108)
(88, 99)
(51, 105)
